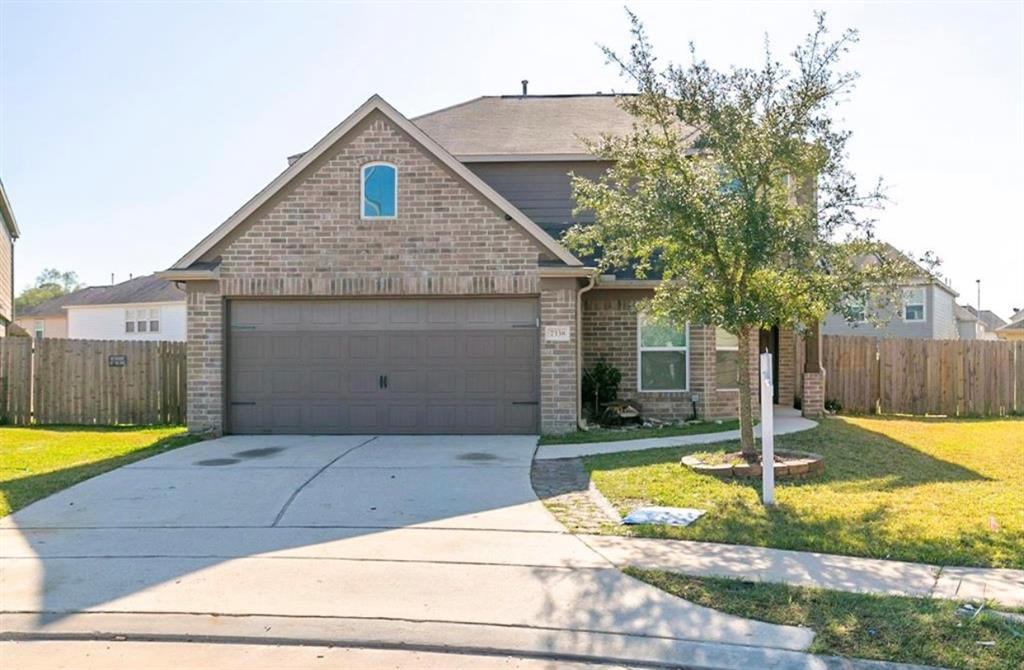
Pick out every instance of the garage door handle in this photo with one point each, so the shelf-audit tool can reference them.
(236, 403)
(385, 381)
(525, 402)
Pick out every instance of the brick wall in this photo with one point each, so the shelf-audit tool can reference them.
(558, 359)
(309, 240)
(205, 327)
(610, 333)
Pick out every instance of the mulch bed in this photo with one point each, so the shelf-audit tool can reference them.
(735, 465)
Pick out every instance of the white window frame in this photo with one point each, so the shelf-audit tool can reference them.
(129, 318)
(362, 191)
(923, 304)
(640, 349)
(154, 317)
(38, 330)
(717, 349)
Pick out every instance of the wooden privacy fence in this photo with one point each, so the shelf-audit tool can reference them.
(912, 376)
(55, 381)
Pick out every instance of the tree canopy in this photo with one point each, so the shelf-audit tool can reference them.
(734, 189)
(51, 283)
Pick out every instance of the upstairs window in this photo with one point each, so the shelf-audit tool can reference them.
(154, 320)
(664, 355)
(913, 304)
(129, 321)
(379, 191)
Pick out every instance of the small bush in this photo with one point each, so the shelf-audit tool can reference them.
(600, 385)
(833, 405)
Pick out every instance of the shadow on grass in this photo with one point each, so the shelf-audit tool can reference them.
(862, 505)
(24, 491)
(851, 454)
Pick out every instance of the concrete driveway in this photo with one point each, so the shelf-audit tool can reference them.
(431, 543)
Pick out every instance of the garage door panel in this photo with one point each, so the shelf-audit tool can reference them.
(316, 366)
(481, 346)
(441, 346)
(285, 347)
(364, 381)
(327, 381)
(520, 347)
(327, 346)
(441, 382)
(404, 346)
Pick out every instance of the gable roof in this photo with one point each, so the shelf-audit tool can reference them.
(150, 288)
(55, 306)
(988, 318)
(138, 290)
(7, 214)
(375, 103)
(531, 127)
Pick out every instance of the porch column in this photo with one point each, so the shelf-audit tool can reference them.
(814, 373)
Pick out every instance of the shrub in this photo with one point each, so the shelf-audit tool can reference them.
(601, 385)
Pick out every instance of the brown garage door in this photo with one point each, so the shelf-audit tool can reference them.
(383, 366)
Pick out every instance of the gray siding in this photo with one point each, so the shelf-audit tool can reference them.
(943, 315)
(940, 322)
(542, 190)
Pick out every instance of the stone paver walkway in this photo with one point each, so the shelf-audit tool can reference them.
(786, 421)
(827, 571)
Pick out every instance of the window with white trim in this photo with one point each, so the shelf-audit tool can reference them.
(39, 330)
(663, 357)
(727, 360)
(154, 320)
(379, 188)
(129, 321)
(913, 304)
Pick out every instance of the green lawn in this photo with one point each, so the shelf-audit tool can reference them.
(37, 462)
(940, 491)
(906, 630)
(616, 434)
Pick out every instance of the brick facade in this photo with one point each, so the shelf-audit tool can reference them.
(558, 359)
(205, 325)
(309, 240)
(610, 333)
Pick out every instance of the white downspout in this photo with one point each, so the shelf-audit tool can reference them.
(579, 351)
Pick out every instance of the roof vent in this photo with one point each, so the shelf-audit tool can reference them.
(526, 82)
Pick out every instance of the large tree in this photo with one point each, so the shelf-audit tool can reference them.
(50, 283)
(733, 188)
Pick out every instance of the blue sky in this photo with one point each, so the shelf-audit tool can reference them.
(128, 131)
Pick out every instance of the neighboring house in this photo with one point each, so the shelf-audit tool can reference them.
(1014, 330)
(927, 310)
(8, 233)
(144, 308)
(973, 325)
(405, 276)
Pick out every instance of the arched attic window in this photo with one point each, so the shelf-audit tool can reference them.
(379, 191)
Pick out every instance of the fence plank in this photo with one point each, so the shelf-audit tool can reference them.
(71, 381)
(915, 376)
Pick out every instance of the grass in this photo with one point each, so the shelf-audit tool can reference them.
(939, 491)
(37, 462)
(892, 628)
(616, 434)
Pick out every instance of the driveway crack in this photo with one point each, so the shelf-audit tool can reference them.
(316, 474)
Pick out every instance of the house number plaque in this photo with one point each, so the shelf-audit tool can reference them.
(556, 333)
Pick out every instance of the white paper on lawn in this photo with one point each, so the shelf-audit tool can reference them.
(669, 516)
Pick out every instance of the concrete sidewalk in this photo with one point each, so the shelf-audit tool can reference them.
(786, 421)
(827, 571)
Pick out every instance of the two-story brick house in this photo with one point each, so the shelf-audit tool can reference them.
(405, 276)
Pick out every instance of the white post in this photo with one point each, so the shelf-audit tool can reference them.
(767, 431)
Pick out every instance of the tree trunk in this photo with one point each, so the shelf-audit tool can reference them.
(746, 409)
